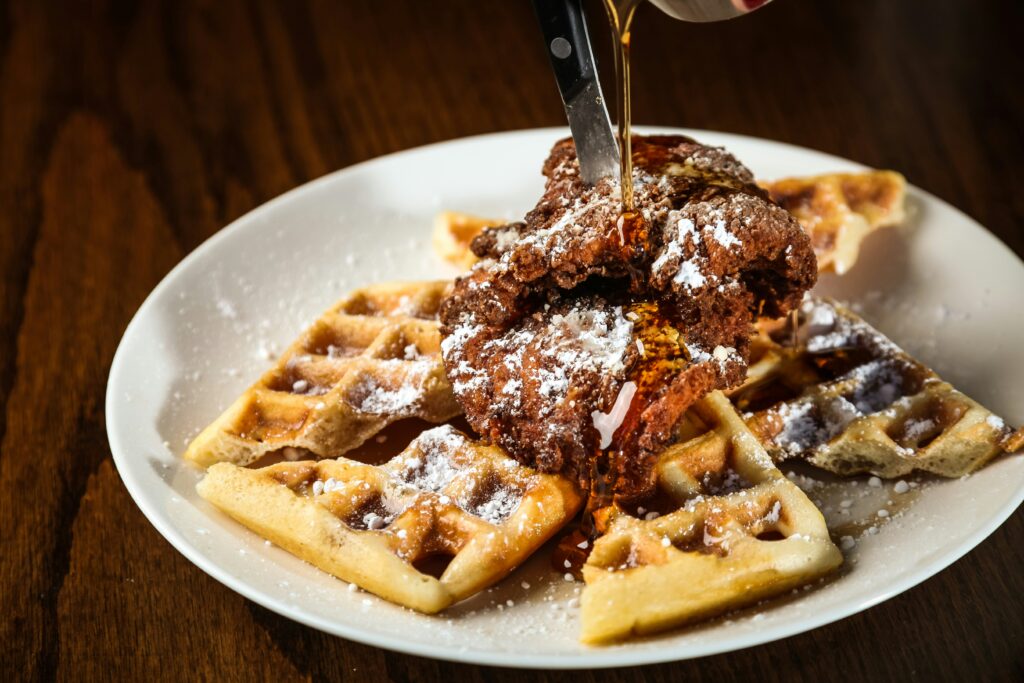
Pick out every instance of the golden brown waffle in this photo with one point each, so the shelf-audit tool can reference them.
(728, 529)
(837, 210)
(848, 400)
(370, 360)
(454, 231)
(444, 499)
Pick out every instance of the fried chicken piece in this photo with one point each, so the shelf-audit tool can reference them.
(579, 317)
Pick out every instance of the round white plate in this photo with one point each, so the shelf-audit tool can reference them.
(941, 286)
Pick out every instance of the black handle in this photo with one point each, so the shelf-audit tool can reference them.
(568, 45)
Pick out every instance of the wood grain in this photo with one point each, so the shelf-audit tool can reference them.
(131, 131)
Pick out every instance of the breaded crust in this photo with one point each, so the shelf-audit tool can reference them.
(568, 307)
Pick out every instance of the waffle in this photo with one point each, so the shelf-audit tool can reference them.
(391, 528)
(837, 210)
(370, 360)
(848, 400)
(732, 530)
(453, 233)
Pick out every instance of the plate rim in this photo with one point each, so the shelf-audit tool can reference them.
(596, 657)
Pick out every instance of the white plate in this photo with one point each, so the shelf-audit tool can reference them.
(941, 286)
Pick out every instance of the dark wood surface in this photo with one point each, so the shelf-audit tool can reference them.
(131, 131)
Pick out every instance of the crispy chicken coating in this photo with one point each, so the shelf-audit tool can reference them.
(582, 331)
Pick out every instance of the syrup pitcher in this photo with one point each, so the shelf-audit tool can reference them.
(707, 10)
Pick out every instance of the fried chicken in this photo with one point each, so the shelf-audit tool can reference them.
(579, 323)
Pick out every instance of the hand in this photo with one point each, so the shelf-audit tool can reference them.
(749, 5)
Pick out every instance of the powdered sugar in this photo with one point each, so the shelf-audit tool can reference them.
(504, 237)
(227, 309)
(730, 481)
(465, 378)
(724, 355)
(463, 332)
(878, 384)
(696, 353)
(382, 401)
(690, 276)
(822, 331)
(722, 235)
(670, 253)
(699, 227)
(801, 429)
(586, 338)
(374, 521)
(773, 515)
(914, 429)
(598, 338)
(432, 470)
(805, 426)
(686, 227)
(512, 387)
(498, 507)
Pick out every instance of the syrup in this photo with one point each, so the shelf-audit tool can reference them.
(572, 552)
(632, 229)
(620, 16)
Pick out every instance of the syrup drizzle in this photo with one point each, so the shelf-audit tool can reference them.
(620, 16)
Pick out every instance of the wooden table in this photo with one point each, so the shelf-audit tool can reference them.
(132, 131)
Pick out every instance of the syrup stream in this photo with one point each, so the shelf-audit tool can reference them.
(620, 16)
